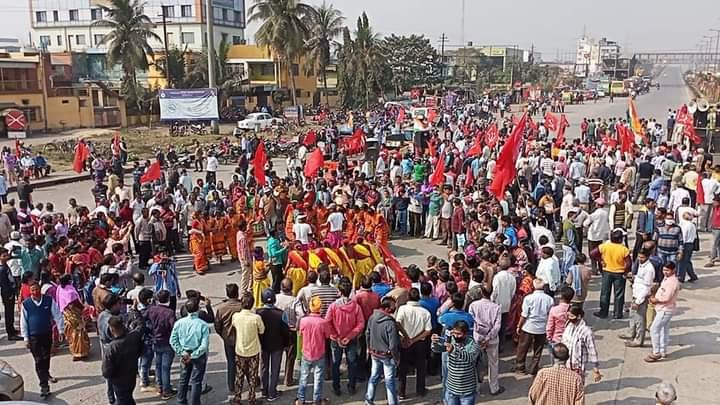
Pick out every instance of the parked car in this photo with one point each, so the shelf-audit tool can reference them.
(12, 386)
(258, 121)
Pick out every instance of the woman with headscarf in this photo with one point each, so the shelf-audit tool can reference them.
(71, 307)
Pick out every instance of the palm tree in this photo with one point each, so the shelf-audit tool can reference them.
(283, 29)
(325, 24)
(127, 42)
(368, 58)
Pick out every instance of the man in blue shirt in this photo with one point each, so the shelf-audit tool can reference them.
(378, 287)
(190, 340)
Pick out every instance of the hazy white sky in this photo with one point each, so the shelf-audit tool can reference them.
(551, 25)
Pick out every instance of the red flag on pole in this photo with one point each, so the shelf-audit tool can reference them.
(475, 148)
(116, 144)
(505, 168)
(310, 138)
(314, 163)
(81, 155)
(700, 191)
(18, 149)
(401, 278)
(492, 136)
(551, 121)
(153, 173)
(431, 148)
(469, 179)
(438, 176)
(258, 162)
(564, 124)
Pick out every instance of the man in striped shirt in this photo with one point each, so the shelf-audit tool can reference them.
(460, 388)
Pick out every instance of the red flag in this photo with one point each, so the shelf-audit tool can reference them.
(626, 137)
(81, 155)
(505, 168)
(700, 191)
(469, 179)
(533, 124)
(561, 130)
(514, 120)
(310, 138)
(432, 115)
(492, 136)
(18, 149)
(475, 148)
(551, 121)
(401, 116)
(401, 278)
(153, 173)
(438, 176)
(314, 163)
(258, 162)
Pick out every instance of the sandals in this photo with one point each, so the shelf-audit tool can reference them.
(653, 358)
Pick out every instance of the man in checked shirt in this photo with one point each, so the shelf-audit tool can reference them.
(244, 256)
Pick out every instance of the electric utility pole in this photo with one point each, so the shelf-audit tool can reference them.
(209, 16)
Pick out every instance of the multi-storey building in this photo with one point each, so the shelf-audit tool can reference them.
(71, 25)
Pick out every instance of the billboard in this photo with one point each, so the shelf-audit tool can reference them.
(189, 104)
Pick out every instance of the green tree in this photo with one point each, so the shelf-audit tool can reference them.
(324, 24)
(362, 66)
(174, 67)
(128, 41)
(412, 59)
(283, 29)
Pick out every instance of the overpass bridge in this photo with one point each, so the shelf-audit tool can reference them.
(677, 58)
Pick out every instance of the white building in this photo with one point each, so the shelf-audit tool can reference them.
(67, 25)
(587, 59)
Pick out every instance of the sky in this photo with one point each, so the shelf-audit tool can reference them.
(552, 26)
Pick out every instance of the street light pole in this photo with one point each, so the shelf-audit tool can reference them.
(209, 16)
(167, 52)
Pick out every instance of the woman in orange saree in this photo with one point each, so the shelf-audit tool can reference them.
(232, 219)
(198, 236)
(381, 229)
(218, 236)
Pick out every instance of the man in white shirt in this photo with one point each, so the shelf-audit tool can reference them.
(302, 230)
(503, 290)
(415, 322)
(598, 226)
(711, 188)
(689, 234)
(335, 220)
(641, 284)
(548, 270)
(211, 167)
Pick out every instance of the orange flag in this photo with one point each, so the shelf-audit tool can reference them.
(314, 163)
(81, 154)
(258, 162)
(153, 173)
(438, 176)
(505, 168)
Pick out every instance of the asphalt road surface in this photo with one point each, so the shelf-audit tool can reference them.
(694, 352)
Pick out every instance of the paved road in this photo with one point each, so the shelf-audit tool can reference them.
(695, 331)
(655, 104)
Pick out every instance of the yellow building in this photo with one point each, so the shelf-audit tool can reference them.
(268, 81)
(30, 83)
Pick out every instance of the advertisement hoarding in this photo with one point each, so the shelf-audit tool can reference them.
(188, 104)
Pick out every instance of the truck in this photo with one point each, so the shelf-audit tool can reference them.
(618, 88)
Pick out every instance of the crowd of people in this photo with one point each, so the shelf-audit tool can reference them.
(326, 284)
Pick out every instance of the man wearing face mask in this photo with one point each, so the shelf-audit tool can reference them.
(669, 239)
(578, 338)
(463, 351)
(36, 317)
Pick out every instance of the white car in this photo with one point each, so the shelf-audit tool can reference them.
(257, 121)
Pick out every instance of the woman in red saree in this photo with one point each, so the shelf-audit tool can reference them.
(198, 245)
(524, 288)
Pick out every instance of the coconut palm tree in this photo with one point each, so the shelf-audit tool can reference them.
(128, 40)
(325, 24)
(368, 59)
(283, 29)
